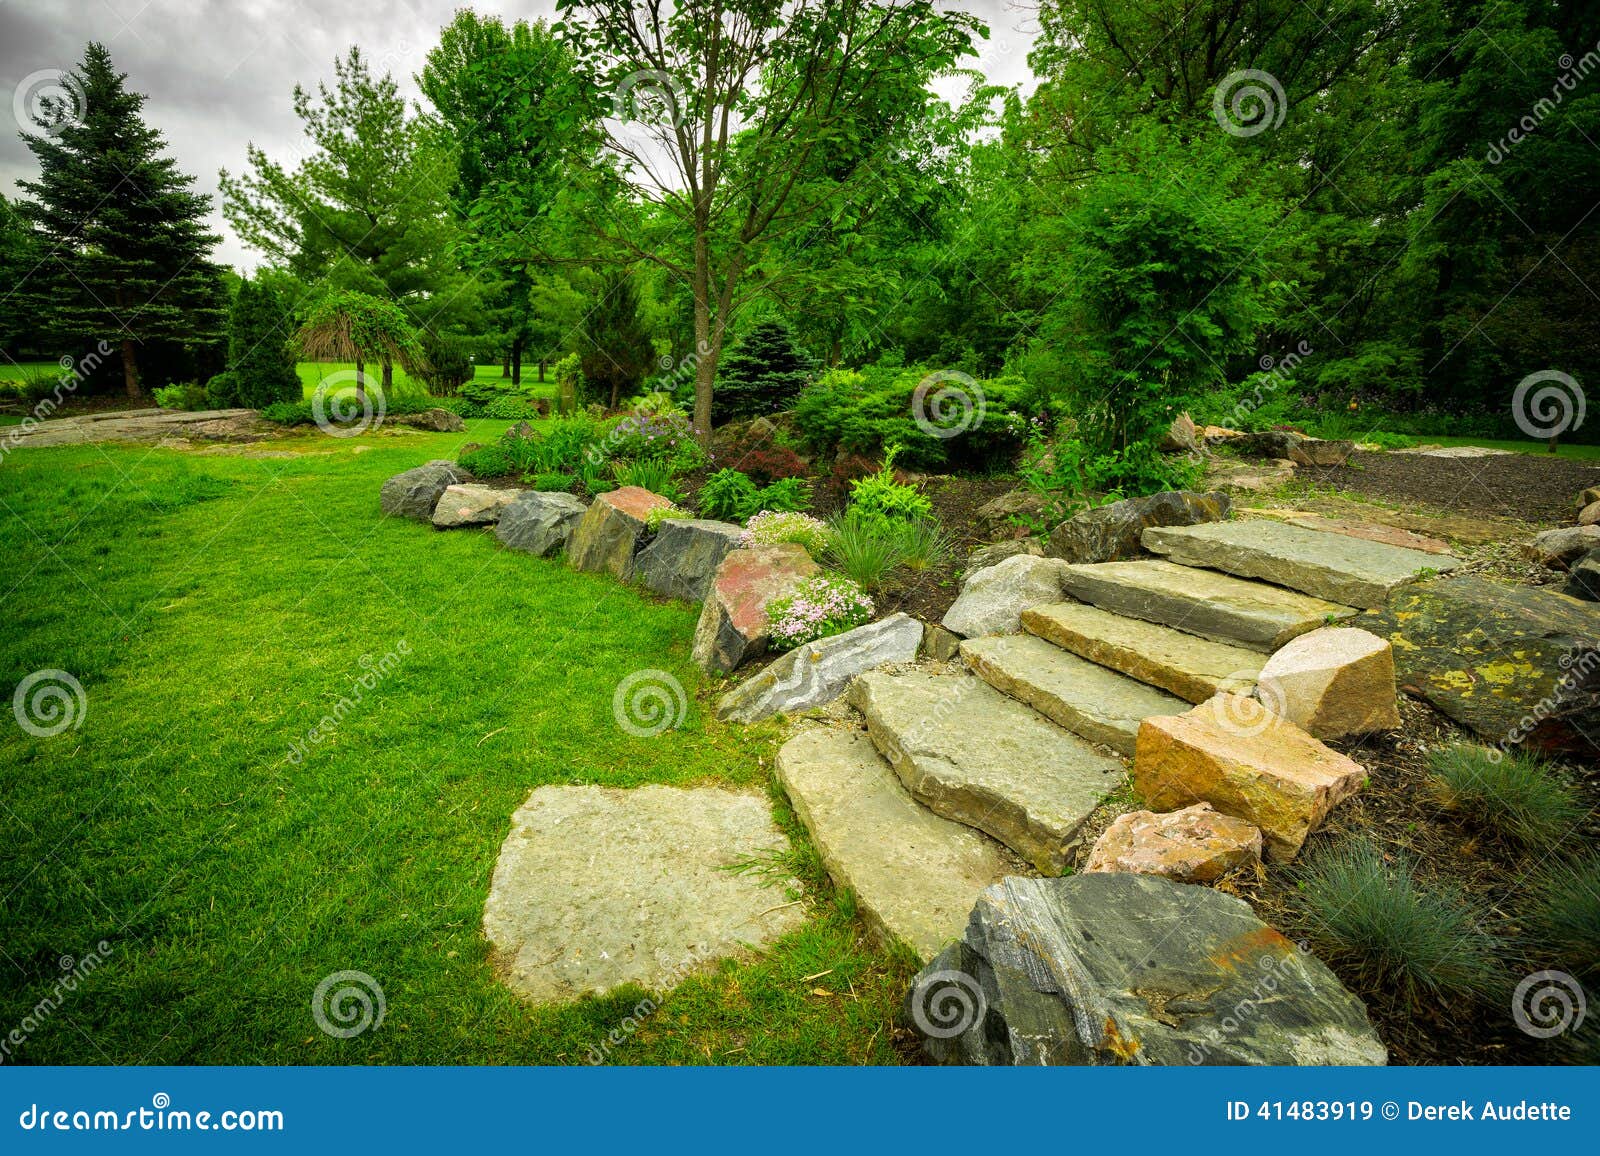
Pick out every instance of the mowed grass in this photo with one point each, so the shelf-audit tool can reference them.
(214, 607)
(312, 374)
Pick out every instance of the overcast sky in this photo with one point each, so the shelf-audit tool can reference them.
(219, 73)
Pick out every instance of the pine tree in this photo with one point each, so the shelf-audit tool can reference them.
(762, 374)
(616, 351)
(126, 254)
(261, 365)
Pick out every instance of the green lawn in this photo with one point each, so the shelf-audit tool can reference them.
(213, 607)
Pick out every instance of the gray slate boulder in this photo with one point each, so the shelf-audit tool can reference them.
(996, 552)
(682, 559)
(1559, 548)
(815, 674)
(1584, 579)
(992, 599)
(471, 505)
(416, 492)
(1114, 969)
(1272, 443)
(539, 522)
(1111, 533)
(436, 419)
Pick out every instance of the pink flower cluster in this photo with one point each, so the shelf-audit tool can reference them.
(770, 527)
(818, 608)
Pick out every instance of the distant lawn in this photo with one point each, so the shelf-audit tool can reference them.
(1521, 446)
(16, 371)
(216, 606)
(312, 372)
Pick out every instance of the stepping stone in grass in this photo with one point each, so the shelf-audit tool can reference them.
(1335, 567)
(1228, 610)
(914, 875)
(597, 887)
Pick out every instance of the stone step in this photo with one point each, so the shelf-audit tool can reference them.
(1190, 667)
(1090, 701)
(915, 876)
(1337, 567)
(1203, 602)
(971, 754)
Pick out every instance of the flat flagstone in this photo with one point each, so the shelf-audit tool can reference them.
(1090, 701)
(597, 887)
(1354, 528)
(1191, 667)
(1336, 567)
(1215, 606)
(914, 875)
(971, 754)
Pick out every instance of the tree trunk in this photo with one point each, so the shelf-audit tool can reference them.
(388, 376)
(130, 369)
(542, 363)
(516, 362)
(506, 370)
(361, 380)
(705, 366)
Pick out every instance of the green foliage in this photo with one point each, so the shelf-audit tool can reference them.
(570, 386)
(818, 608)
(923, 543)
(653, 520)
(865, 547)
(493, 461)
(727, 495)
(447, 363)
(616, 349)
(1372, 920)
(784, 496)
(863, 411)
(1507, 793)
(1159, 283)
(347, 325)
(650, 474)
(1566, 915)
(510, 409)
(182, 395)
(261, 366)
(770, 527)
(762, 374)
(879, 495)
(551, 482)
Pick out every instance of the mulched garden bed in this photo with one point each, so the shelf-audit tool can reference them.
(1530, 487)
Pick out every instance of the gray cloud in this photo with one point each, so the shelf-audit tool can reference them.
(219, 73)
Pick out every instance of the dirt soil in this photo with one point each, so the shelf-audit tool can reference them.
(1529, 487)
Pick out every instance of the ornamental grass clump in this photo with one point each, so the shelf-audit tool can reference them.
(771, 527)
(818, 608)
(1512, 794)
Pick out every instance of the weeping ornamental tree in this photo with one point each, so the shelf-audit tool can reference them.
(356, 327)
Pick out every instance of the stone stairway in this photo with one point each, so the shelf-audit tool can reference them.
(1013, 755)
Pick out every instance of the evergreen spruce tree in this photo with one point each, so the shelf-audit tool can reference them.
(261, 365)
(126, 253)
(762, 374)
(616, 352)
